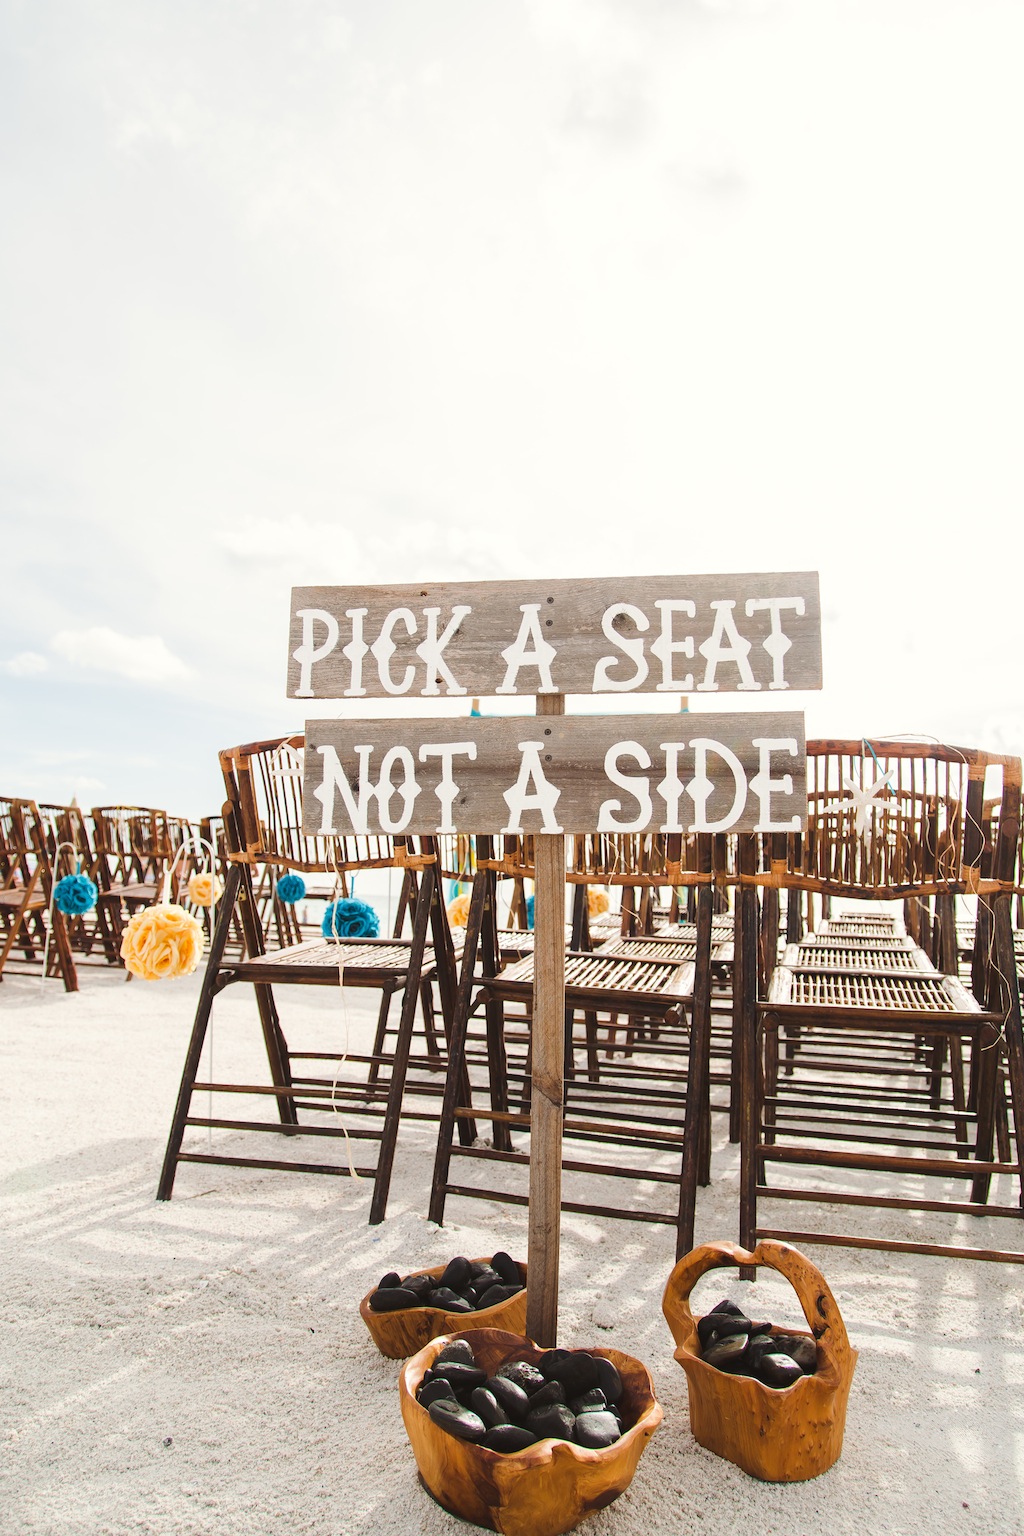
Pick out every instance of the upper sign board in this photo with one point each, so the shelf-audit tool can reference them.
(557, 773)
(630, 634)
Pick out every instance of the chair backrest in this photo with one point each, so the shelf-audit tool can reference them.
(24, 861)
(66, 828)
(263, 782)
(892, 819)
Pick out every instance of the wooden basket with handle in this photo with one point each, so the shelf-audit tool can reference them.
(782, 1436)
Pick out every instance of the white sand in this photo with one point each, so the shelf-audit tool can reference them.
(200, 1367)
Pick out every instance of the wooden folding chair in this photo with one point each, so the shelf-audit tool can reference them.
(133, 849)
(263, 821)
(655, 1101)
(871, 1080)
(70, 851)
(26, 885)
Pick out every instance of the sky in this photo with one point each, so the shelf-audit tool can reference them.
(370, 291)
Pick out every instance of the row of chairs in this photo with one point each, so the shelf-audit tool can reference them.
(859, 1056)
(124, 850)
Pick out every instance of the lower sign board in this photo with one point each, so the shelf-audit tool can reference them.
(555, 773)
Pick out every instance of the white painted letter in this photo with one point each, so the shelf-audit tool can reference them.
(335, 778)
(603, 681)
(778, 642)
(384, 648)
(737, 649)
(516, 655)
(386, 790)
(665, 647)
(671, 786)
(432, 647)
(763, 785)
(307, 652)
(638, 788)
(518, 799)
(700, 786)
(355, 651)
(447, 789)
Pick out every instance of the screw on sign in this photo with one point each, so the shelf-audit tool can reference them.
(735, 633)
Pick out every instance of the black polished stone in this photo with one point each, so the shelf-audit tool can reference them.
(420, 1285)
(551, 1392)
(456, 1275)
(576, 1370)
(726, 1354)
(593, 1401)
(458, 1421)
(523, 1374)
(596, 1430)
(778, 1370)
(508, 1438)
(450, 1301)
(721, 1325)
(436, 1391)
(460, 1374)
(506, 1266)
(456, 1349)
(393, 1298)
(511, 1397)
(483, 1402)
(556, 1422)
(608, 1378)
(497, 1294)
(729, 1306)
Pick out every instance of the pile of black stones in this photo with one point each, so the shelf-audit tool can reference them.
(465, 1286)
(731, 1342)
(567, 1395)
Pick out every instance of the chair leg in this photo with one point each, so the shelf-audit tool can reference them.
(956, 1075)
(195, 1050)
(373, 1072)
(455, 1080)
(400, 1065)
(1002, 1119)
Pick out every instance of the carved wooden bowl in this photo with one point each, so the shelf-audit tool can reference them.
(400, 1334)
(551, 1486)
(782, 1436)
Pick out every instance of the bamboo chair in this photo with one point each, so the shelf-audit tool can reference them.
(656, 1101)
(263, 821)
(133, 849)
(26, 885)
(68, 844)
(852, 1106)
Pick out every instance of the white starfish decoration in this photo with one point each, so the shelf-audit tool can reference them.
(864, 799)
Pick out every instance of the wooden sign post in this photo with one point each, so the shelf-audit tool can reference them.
(547, 1104)
(619, 773)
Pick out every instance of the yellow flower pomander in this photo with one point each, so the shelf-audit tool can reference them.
(597, 901)
(162, 941)
(458, 911)
(204, 890)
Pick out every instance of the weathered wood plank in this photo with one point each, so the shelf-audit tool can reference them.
(547, 1106)
(630, 634)
(582, 773)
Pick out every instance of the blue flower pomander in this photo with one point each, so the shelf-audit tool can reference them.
(74, 895)
(350, 919)
(290, 889)
(529, 911)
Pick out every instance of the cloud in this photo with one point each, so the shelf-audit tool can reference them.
(25, 664)
(142, 658)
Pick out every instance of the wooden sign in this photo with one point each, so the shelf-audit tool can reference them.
(634, 634)
(556, 773)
